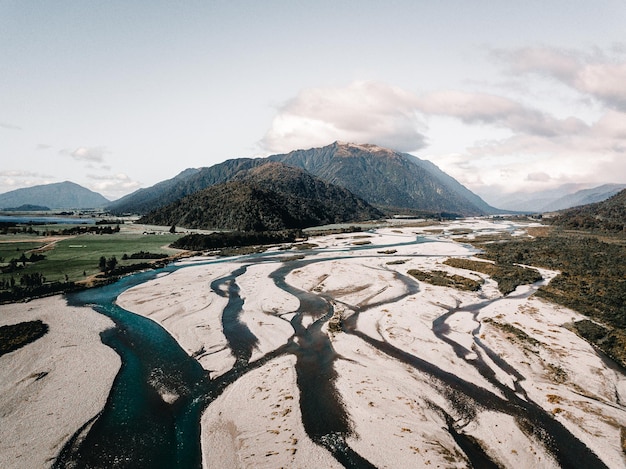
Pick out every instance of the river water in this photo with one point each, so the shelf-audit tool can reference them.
(152, 416)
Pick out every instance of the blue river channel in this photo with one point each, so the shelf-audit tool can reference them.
(138, 427)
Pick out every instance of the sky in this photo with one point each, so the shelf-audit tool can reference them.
(504, 96)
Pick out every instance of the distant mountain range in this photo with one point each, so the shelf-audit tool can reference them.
(559, 198)
(608, 215)
(391, 181)
(341, 182)
(269, 197)
(60, 195)
(585, 197)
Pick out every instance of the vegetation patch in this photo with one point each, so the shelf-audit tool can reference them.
(485, 238)
(70, 262)
(305, 246)
(203, 242)
(513, 332)
(15, 336)
(335, 322)
(592, 279)
(444, 279)
(508, 276)
(145, 255)
(606, 216)
(297, 257)
(593, 272)
(556, 373)
(609, 340)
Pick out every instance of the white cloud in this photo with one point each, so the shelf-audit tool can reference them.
(596, 154)
(542, 151)
(89, 154)
(16, 179)
(528, 145)
(483, 108)
(362, 112)
(538, 176)
(594, 74)
(114, 185)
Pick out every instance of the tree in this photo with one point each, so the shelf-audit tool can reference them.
(173, 229)
(102, 264)
(111, 264)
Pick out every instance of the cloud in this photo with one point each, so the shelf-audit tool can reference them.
(371, 112)
(362, 112)
(538, 176)
(89, 154)
(502, 141)
(596, 154)
(21, 173)
(43, 146)
(542, 150)
(114, 185)
(6, 125)
(594, 74)
(483, 108)
(15, 179)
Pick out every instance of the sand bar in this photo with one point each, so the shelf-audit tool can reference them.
(52, 386)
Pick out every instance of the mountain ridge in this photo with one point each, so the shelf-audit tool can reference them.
(392, 181)
(608, 215)
(269, 197)
(388, 179)
(58, 195)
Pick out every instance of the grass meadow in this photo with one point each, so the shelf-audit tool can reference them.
(75, 257)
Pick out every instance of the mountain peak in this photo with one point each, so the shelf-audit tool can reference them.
(386, 178)
(348, 149)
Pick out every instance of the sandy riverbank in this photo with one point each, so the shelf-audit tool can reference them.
(400, 416)
(52, 386)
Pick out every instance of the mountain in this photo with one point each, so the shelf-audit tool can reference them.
(558, 198)
(584, 197)
(388, 179)
(189, 181)
(60, 195)
(272, 196)
(143, 199)
(609, 215)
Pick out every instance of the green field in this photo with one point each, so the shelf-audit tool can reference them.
(77, 257)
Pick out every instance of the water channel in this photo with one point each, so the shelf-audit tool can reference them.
(152, 416)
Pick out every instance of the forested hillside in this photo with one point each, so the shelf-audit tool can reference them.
(271, 197)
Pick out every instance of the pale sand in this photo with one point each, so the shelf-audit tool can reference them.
(38, 416)
(256, 423)
(183, 303)
(381, 395)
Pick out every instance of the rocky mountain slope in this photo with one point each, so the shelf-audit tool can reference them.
(273, 196)
(390, 180)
